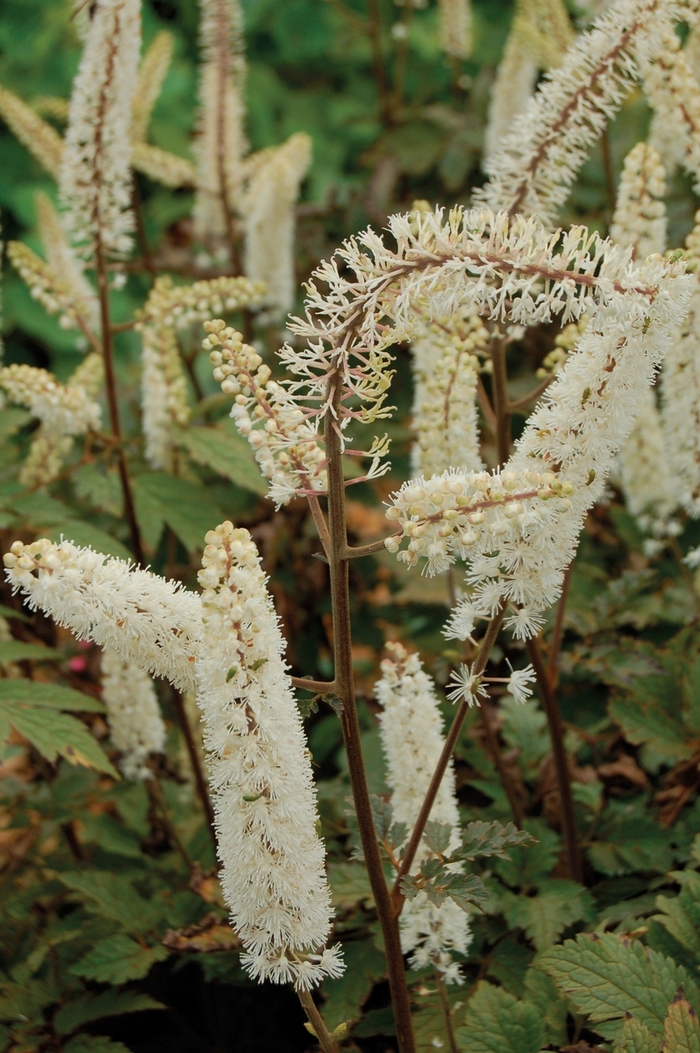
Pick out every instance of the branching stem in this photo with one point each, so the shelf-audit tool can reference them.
(328, 1043)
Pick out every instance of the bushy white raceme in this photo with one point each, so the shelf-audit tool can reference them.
(273, 875)
(66, 265)
(639, 222)
(37, 135)
(67, 409)
(446, 374)
(268, 207)
(533, 168)
(152, 72)
(95, 176)
(221, 142)
(135, 723)
(674, 95)
(142, 617)
(169, 309)
(411, 730)
(55, 290)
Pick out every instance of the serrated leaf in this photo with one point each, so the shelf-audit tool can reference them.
(54, 734)
(17, 651)
(541, 990)
(94, 1044)
(222, 448)
(646, 719)
(496, 1022)
(525, 728)
(149, 514)
(118, 959)
(344, 997)
(100, 486)
(349, 885)
(681, 914)
(186, 507)
(608, 976)
(635, 1037)
(466, 890)
(437, 836)
(681, 1028)
(95, 1006)
(111, 896)
(48, 696)
(627, 841)
(558, 904)
(491, 839)
(383, 816)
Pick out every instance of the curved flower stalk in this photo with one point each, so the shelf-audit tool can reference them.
(168, 309)
(152, 72)
(268, 208)
(221, 143)
(273, 876)
(36, 134)
(540, 35)
(446, 373)
(411, 730)
(674, 95)
(143, 618)
(67, 267)
(535, 165)
(50, 443)
(135, 722)
(640, 223)
(285, 443)
(456, 27)
(95, 177)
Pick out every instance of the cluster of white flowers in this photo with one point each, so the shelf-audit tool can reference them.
(56, 290)
(268, 206)
(639, 220)
(564, 344)
(456, 27)
(284, 441)
(152, 72)
(451, 515)
(95, 178)
(67, 409)
(446, 373)
(412, 736)
(539, 36)
(273, 876)
(135, 722)
(39, 137)
(170, 308)
(66, 267)
(674, 95)
(147, 620)
(535, 165)
(221, 140)
(465, 684)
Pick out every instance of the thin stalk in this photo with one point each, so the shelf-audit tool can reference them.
(497, 757)
(328, 1043)
(446, 1012)
(111, 385)
(486, 407)
(402, 59)
(321, 525)
(155, 793)
(195, 761)
(437, 777)
(558, 633)
(531, 395)
(561, 765)
(374, 30)
(344, 679)
(322, 687)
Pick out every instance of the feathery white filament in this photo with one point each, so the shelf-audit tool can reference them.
(412, 737)
(273, 875)
(95, 177)
(135, 722)
(144, 618)
(269, 219)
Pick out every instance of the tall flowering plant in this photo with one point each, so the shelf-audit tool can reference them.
(497, 522)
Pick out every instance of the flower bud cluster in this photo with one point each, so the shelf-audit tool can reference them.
(674, 95)
(144, 618)
(446, 371)
(412, 734)
(38, 136)
(451, 515)
(564, 343)
(273, 876)
(285, 443)
(67, 409)
(135, 722)
(640, 214)
(55, 293)
(180, 306)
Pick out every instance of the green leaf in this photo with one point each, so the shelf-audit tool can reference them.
(558, 904)
(541, 990)
(349, 885)
(95, 1006)
(681, 914)
(94, 1044)
(12, 419)
(48, 696)
(364, 966)
(88, 536)
(10, 612)
(525, 728)
(224, 450)
(635, 1037)
(54, 733)
(112, 896)
(118, 959)
(496, 1022)
(149, 514)
(17, 651)
(100, 486)
(491, 839)
(627, 840)
(437, 836)
(648, 718)
(186, 507)
(608, 976)
(681, 1028)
